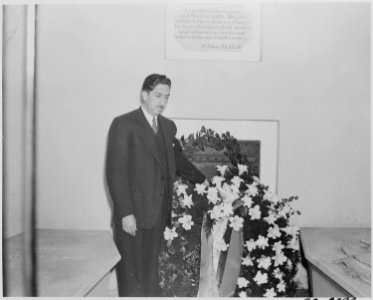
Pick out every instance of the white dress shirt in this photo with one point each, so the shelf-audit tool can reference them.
(149, 117)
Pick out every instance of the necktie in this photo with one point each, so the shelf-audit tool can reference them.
(154, 126)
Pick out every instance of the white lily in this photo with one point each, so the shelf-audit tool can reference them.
(242, 169)
(222, 169)
(236, 223)
(252, 190)
(169, 234)
(200, 188)
(212, 195)
(261, 278)
(181, 189)
(236, 181)
(227, 194)
(242, 282)
(255, 212)
(274, 232)
(187, 201)
(186, 222)
(217, 212)
(270, 293)
(217, 180)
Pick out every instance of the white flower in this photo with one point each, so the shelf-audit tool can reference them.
(220, 245)
(227, 194)
(255, 212)
(270, 196)
(270, 219)
(181, 189)
(281, 287)
(247, 261)
(250, 245)
(242, 294)
(222, 169)
(217, 212)
(200, 188)
(222, 210)
(264, 262)
(280, 258)
(270, 293)
(291, 230)
(169, 234)
(274, 232)
(252, 190)
(261, 278)
(285, 210)
(236, 181)
(293, 244)
(217, 180)
(235, 189)
(227, 209)
(236, 223)
(278, 246)
(212, 195)
(262, 242)
(186, 222)
(242, 282)
(247, 200)
(278, 274)
(187, 201)
(242, 169)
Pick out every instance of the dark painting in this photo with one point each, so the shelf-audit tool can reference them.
(207, 160)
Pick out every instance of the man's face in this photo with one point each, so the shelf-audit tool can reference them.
(155, 101)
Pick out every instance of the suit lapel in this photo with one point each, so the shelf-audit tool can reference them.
(146, 134)
(167, 134)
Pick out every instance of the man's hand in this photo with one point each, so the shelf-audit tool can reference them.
(129, 224)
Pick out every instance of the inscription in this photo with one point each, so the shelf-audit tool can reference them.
(219, 28)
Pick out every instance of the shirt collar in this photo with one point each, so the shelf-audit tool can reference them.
(149, 117)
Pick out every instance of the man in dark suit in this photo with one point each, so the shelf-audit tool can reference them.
(143, 157)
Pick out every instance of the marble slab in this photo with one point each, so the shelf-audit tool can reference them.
(70, 262)
(324, 250)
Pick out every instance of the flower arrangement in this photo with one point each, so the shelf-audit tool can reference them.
(179, 260)
(236, 200)
(271, 246)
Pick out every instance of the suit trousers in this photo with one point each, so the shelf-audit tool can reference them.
(137, 271)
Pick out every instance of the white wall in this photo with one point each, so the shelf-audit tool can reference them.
(14, 45)
(314, 78)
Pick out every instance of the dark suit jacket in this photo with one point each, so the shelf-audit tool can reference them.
(133, 167)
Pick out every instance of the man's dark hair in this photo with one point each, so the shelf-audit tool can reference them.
(153, 80)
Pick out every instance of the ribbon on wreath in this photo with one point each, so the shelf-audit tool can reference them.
(219, 270)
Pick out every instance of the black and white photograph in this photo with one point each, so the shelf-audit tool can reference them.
(186, 148)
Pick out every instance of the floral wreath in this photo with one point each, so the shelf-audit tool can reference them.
(234, 199)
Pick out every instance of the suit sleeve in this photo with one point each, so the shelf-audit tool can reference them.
(117, 169)
(184, 167)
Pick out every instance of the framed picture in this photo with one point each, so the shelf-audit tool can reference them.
(258, 140)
